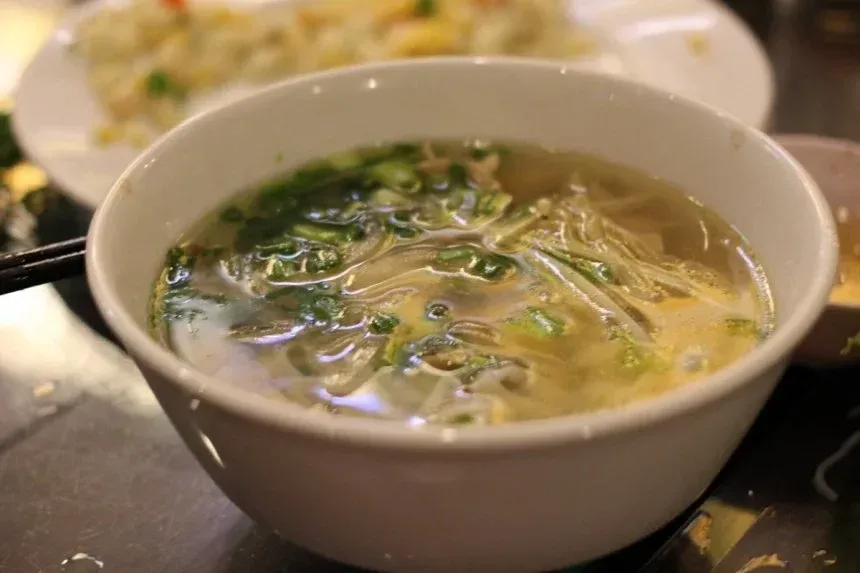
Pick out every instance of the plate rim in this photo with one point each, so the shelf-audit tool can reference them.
(72, 187)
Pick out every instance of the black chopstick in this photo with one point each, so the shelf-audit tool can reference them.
(50, 263)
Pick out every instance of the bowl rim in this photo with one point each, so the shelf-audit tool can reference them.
(791, 140)
(395, 435)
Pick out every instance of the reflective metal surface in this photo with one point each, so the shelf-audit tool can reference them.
(93, 478)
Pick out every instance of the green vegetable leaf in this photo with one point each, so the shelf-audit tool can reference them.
(160, 84)
(539, 323)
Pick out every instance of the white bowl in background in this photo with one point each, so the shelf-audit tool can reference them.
(529, 496)
(835, 166)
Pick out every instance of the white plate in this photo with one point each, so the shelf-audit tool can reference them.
(652, 41)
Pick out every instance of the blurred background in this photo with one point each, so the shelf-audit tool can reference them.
(92, 477)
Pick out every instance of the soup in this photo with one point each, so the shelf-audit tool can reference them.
(461, 283)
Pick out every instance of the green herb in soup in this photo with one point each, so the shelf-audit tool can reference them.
(468, 283)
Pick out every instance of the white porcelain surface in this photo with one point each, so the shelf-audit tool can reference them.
(650, 41)
(524, 497)
(835, 166)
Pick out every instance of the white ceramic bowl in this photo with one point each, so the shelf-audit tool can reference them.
(525, 497)
(835, 166)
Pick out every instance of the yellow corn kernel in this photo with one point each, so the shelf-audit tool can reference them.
(390, 11)
(424, 38)
(106, 134)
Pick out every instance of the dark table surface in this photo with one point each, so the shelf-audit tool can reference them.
(93, 478)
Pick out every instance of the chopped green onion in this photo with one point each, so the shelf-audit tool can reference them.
(490, 266)
(425, 8)
(551, 325)
(283, 248)
(343, 161)
(493, 203)
(741, 326)
(322, 260)
(455, 254)
(458, 174)
(385, 197)
(382, 323)
(634, 359)
(319, 308)
(484, 265)
(596, 272)
(540, 323)
(278, 270)
(329, 234)
(397, 175)
(232, 215)
(353, 210)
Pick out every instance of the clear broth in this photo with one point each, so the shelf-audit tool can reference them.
(462, 283)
